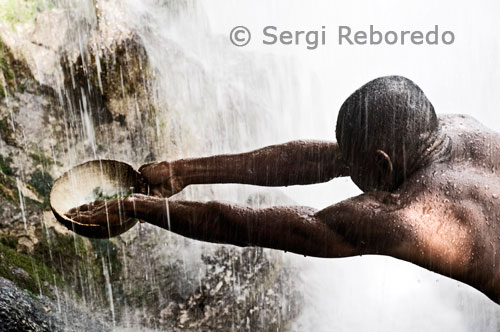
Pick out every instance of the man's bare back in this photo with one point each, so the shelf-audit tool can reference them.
(453, 207)
(440, 211)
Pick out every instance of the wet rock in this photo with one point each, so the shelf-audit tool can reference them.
(238, 289)
(63, 104)
(244, 289)
(25, 245)
(40, 43)
(20, 311)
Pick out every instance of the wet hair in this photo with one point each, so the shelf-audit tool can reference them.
(391, 114)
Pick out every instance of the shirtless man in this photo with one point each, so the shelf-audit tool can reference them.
(431, 190)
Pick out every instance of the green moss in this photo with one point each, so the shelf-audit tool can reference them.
(42, 182)
(6, 68)
(8, 187)
(6, 133)
(32, 295)
(7, 193)
(40, 158)
(9, 241)
(21, 11)
(99, 195)
(67, 249)
(15, 75)
(68, 256)
(5, 167)
(35, 275)
(106, 248)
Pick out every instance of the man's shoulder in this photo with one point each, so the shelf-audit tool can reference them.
(460, 122)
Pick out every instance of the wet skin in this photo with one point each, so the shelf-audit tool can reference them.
(445, 217)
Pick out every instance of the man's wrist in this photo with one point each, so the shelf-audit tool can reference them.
(177, 173)
(133, 205)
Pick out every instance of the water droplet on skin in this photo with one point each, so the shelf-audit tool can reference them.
(495, 196)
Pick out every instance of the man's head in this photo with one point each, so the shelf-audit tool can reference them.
(382, 130)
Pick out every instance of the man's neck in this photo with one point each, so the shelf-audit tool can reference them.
(437, 148)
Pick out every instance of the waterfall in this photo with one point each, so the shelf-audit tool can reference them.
(221, 99)
(202, 95)
(228, 99)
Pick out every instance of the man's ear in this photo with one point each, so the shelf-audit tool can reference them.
(383, 162)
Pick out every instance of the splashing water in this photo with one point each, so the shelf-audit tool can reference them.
(232, 100)
(21, 202)
(214, 98)
(109, 290)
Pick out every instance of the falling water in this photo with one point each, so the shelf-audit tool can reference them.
(212, 97)
(21, 202)
(109, 290)
(230, 100)
(88, 125)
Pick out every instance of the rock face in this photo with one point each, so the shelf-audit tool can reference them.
(22, 312)
(264, 296)
(76, 84)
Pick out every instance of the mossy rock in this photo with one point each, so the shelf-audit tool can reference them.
(5, 165)
(65, 253)
(8, 188)
(15, 73)
(14, 12)
(80, 261)
(26, 271)
(9, 241)
(106, 248)
(125, 72)
(6, 131)
(110, 78)
(42, 181)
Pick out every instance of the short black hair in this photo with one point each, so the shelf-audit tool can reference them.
(390, 113)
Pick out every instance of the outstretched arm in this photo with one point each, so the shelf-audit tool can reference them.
(297, 162)
(372, 223)
(353, 227)
(291, 228)
(360, 225)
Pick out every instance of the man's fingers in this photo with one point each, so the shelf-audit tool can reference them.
(86, 207)
(80, 208)
(96, 203)
(82, 217)
(73, 210)
(99, 212)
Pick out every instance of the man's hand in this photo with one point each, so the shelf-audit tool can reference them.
(100, 213)
(161, 179)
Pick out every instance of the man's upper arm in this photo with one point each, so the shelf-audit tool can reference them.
(423, 231)
(367, 223)
(441, 238)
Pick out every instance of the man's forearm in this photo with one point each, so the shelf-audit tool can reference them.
(291, 229)
(297, 162)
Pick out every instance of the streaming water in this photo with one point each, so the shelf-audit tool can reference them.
(212, 97)
(109, 291)
(231, 99)
(21, 202)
